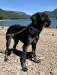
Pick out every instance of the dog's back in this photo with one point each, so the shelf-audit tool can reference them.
(14, 29)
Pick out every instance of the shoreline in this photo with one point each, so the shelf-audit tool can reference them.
(11, 19)
(7, 20)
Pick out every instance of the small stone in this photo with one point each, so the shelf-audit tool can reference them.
(54, 71)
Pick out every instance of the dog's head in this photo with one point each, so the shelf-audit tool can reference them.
(40, 19)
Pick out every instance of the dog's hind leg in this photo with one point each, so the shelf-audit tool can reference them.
(15, 43)
(23, 58)
(8, 40)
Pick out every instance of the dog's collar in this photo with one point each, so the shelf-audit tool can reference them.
(33, 31)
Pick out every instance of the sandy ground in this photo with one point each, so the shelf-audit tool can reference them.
(46, 51)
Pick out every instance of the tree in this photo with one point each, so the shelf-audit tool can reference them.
(3, 16)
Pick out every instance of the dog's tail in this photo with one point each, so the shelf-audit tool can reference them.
(9, 35)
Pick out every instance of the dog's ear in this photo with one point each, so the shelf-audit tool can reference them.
(33, 17)
(36, 17)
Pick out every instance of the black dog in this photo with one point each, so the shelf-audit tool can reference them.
(28, 35)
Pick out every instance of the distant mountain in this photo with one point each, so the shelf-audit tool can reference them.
(13, 15)
(52, 14)
(21, 15)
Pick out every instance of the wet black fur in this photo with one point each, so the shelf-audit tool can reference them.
(29, 36)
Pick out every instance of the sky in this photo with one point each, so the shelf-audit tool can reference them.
(28, 6)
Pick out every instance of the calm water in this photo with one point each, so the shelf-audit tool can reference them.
(12, 22)
(53, 23)
(25, 22)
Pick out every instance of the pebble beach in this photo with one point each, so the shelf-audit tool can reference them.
(46, 51)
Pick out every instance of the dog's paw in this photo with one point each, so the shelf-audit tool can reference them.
(24, 69)
(5, 59)
(37, 61)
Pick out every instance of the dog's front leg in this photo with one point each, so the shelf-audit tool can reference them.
(34, 51)
(23, 58)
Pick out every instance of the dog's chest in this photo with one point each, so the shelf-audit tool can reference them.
(32, 34)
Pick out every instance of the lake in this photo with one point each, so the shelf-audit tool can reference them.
(24, 22)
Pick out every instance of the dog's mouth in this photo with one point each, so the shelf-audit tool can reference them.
(46, 23)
